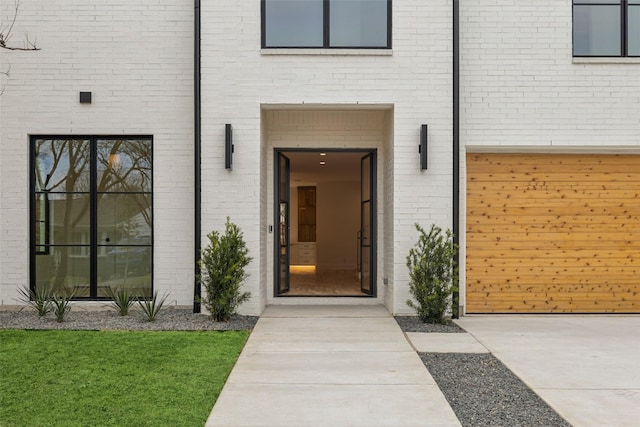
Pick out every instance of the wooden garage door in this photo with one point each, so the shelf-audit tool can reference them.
(553, 233)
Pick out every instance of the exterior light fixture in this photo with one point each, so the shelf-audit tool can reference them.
(228, 147)
(422, 148)
(85, 97)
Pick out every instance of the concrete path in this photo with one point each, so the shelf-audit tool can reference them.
(587, 368)
(329, 366)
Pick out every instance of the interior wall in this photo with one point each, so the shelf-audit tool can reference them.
(338, 222)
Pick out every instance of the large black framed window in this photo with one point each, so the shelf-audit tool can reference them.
(606, 28)
(326, 24)
(91, 214)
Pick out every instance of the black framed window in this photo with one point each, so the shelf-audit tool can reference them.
(606, 28)
(326, 24)
(91, 214)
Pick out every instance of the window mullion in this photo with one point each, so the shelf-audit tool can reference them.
(326, 12)
(623, 28)
(93, 219)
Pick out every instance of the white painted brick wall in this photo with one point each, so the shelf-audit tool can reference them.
(136, 58)
(415, 80)
(522, 90)
(520, 85)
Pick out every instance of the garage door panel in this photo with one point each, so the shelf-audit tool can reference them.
(553, 210)
(553, 233)
(494, 160)
(545, 285)
(596, 220)
(572, 193)
(556, 227)
(562, 305)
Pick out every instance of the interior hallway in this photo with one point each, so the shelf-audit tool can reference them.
(306, 281)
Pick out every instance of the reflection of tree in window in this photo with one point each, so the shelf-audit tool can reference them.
(63, 177)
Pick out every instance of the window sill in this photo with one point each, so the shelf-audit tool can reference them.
(328, 52)
(603, 60)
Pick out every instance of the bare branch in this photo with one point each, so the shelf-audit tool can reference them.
(5, 34)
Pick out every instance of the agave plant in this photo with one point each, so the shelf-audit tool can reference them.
(152, 306)
(39, 299)
(121, 300)
(61, 304)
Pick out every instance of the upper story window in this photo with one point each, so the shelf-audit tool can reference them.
(606, 27)
(326, 24)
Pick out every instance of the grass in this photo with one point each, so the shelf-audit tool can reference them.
(113, 378)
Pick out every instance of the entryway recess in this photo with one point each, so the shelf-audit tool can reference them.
(325, 217)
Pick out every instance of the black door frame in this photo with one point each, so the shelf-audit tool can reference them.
(374, 214)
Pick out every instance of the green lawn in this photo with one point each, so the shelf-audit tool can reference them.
(100, 378)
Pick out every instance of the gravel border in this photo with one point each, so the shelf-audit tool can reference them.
(169, 319)
(482, 391)
(414, 324)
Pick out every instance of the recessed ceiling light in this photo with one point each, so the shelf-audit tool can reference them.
(323, 163)
(323, 154)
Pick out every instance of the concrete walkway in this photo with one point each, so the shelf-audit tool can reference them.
(587, 368)
(329, 366)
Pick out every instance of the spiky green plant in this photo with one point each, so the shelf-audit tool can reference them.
(121, 300)
(152, 306)
(223, 271)
(61, 304)
(433, 273)
(39, 299)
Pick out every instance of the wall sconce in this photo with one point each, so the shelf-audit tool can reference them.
(85, 97)
(422, 148)
(228, 147)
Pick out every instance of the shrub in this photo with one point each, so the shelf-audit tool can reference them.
(61, 304)
(39, 299)
(223, 263)
(151, 307)
(433, 274)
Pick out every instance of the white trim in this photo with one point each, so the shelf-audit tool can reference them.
(328, 52)
(612, 60)
(560, 149)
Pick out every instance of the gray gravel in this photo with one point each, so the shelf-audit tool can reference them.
(484, 392)
(414, 324)
(169, 319)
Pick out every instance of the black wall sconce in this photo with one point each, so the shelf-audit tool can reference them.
(422, 148)
(85, 97)
(228, 147)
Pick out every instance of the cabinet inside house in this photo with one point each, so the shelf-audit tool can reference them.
(306, 214)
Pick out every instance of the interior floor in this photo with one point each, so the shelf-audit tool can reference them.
(310, 282)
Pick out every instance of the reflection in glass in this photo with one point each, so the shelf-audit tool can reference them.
(596, 30)
(124, 165)
(293, 23)
(62, 165)
(63, 271)
(633, 30)
(358, 23)
(124, 216)
(126, 267)
(63, 202)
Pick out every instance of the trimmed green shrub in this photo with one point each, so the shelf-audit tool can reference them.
(223, 265)
(433, 273)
